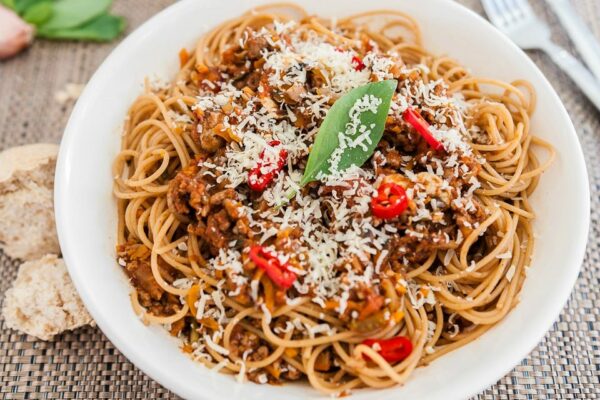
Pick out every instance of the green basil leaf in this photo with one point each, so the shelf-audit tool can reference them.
(38, 13)
(9, 4)
(338, 120)
(101, 29)
(74, 13)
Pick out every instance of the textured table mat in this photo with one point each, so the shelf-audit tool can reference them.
(85, 365)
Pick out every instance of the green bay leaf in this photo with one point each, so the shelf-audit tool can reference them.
(336, 121)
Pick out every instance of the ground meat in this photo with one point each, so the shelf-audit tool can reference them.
(208, 131)
(136, 260)
(290, 96)
(255, 46)
(205, 77)
(168, 305)
(392, 157)
(279, 371)
(290, 373)
(455, 176)
(294, 94)
(233, 57)
(242, 341)
(253, 80)
(433, 219)
(220, 197)
(232, 207)
(186, 193)
(467, 220)
(239, 62)
(142, 278)
(244, 77)
(211, 211)
(336, 191)
(260, 354)
(189, 197)
(243, 64)
(217, 233)
(315, 78)
(399, 135)
(417, 249)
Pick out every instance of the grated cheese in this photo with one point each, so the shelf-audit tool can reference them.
(218, 348)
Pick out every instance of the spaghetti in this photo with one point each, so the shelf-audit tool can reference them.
(349, 284)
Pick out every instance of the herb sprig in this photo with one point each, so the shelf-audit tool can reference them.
(327, 149)
(69, 19)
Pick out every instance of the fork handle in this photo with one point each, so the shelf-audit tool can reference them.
(584, 39)
(586, 81)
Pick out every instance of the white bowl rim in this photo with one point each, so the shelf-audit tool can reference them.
(486, 376)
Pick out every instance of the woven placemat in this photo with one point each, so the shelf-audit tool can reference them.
(85, 365)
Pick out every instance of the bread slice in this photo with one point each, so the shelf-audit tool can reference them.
(27, 230)
(43, 301)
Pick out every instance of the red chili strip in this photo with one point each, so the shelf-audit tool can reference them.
(257, 180)
(358, 63)
(392, 350)
(415, 119)
(390, 202)
(275, 270)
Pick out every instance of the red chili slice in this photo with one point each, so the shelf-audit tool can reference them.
(257, 180)
(390, 202)
(275, 270)
(392, 350)
(358, 63)
(415, 119)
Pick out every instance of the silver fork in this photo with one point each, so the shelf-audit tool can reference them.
(516, 19)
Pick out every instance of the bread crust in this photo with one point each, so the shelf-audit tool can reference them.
(25, 158)
(28, 230)
(43, 301)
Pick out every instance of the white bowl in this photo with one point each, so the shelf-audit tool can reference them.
(86, 211)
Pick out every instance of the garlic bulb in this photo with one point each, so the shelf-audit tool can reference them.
(15, 34)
